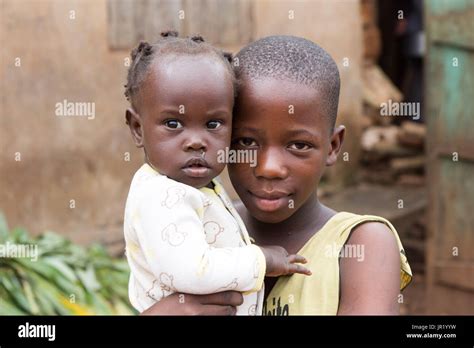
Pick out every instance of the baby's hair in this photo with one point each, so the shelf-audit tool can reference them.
(293, 59)
(169, 43)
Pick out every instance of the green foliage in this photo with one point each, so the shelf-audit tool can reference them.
(64, 278)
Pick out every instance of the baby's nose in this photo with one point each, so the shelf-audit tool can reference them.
(195, 144)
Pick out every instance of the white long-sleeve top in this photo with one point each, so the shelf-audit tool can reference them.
(181, 239)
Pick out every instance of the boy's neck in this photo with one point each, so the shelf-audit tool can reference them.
(295, 231)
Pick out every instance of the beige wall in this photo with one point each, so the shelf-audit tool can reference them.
(65, 158)
(62, 158)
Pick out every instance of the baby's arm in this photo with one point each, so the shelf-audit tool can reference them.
(173, 240)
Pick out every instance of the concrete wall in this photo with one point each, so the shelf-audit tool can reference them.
(46, 161)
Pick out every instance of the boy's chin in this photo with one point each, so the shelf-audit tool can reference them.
(274, 217)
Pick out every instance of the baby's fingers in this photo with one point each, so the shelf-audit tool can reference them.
(297, 259)
(296, 268)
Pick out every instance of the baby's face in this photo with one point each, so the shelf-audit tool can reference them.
(283, 122)
(185, 107)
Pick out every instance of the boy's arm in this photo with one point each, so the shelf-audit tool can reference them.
(173, 242)
(371, 285)
(221, 303)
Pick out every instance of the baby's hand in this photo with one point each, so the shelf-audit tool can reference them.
(280, 263)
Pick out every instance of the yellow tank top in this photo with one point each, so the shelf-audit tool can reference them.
(319, 294)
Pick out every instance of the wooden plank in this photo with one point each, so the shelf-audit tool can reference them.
(385, 149)
(449, 108)
(454, 28)
(205, 17)
(404, 164)
(446, 300)
(454, 218)
(120, 24)
(412, 179)
(158, 16)
(130, 21)
(372, 42)
(383, 201)
(412, 134)
(444, 149)
(449, 105)
(368, 11)
(456, 274)
(374, 136)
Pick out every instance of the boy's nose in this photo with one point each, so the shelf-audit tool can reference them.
(270, 165)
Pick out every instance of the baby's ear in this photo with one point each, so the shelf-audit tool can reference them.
(134, 122)
(337, 138)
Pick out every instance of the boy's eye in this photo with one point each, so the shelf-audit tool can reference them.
(174, 124)
(213, 124)
(246, 142)
(300, 146)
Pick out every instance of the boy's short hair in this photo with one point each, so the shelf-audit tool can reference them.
(294, 59)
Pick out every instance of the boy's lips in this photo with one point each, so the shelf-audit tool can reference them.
(196, 167)
(269, 200)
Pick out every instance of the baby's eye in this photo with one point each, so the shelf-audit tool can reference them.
(300, 146)
(213, 124)
(246, 142)
(174, 124)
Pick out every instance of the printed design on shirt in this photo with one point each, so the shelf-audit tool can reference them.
(154, 292)
(207, 203)
(231, 286)
(161, 287)
(174, 196)
(252, 310)
(212, 229)
(147, 175)
(171, 235)
(166, 284)
(275, 308)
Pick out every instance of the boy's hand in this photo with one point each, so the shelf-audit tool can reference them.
(280, 263)
(221, 303)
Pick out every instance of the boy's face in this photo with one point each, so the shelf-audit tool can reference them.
(184, 117)
(282, 121)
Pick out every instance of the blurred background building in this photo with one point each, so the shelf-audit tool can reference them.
(72, 174)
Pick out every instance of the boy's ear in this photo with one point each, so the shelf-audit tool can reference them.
(337, 138)
(134, 122)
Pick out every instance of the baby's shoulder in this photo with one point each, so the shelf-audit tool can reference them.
(157, 186)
